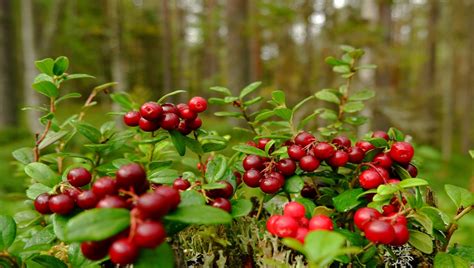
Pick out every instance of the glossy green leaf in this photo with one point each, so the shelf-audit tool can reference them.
(23, 155)
(42, 173)
(59, 225)
(412, 182)
(249, 89)
(353, 106)
(222, 90)
(378, 142)
(421, 241)
(395, 134)
(294, 184)
(240, 207)
(60, 65)
(72, 95)
(7, 232)
(193, 145)
(463, 251)
(48, 261)
(46, 88)
(216, 169)
(342, 69)
(283, 113)
(327, 95)
(362, 95)
(43, 237)
(76, 259)
(229, 114)
(163, 176)
(322, 246)
(191, 198)
(45, 66)
(440, 219)
(247, 149)
(347, 200)
(78, 76)
(164, 97)
(199, 215)
(278, 97)
(162, 257)
(446, 260)
(178, 142)
(89, 131)
(424, 220)
(122, 99)
(51, 138)
(461, 197)
(36, 189)
(334, 62)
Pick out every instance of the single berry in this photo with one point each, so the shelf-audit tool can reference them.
(149, 234)
(320, 222)
(285, 226)
(294, 209)
(286, 166)
(271, 223)
(253, 161)
(402, 152)
(79, 177)
(238, 178)
(87, 200)
(72, 192)
(123, 251)
(341, 141)
(323, 150)
(169, 121)
(383, 172)
(388, 209)
(183, 128)
(251, 143)
(382, 160)
(303, 222)
(181, 184)
(151, 111)
(130, 175)
(370, 179)
(395, 181)
(169, 108)
(401, 235)
(225, 192)
(356, 155)
(309, 163)
(148, 126)
(252, 178)
(339, 159)
(171, 194)
(198, 104)
(95, 250)
(272, 182)
(308, 191)
(104, 186)
(296, 152)
(61, 204)
(42, 203)
(301, 234)
(364, 216)
(380, 134)
(194, 124)
(412, 170)
(187, 114)
(222, 203)
(365, 146)
(153, 205)
(261, 143)
(304, 138)
(131, 118)
(112, 201)
(401, 220)
(379, 232)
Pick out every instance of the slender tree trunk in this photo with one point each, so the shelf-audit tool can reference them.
(166, 46)
(210, 39)
(256, 66)
(467, 94)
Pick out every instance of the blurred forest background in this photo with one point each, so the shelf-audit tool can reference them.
(424, 50)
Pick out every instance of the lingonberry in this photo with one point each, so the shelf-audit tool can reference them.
(304, 222)
(252, 178)
(225, 192)
(198, 104)
(95, 250)
(153, 205)
(42, 203)
(79, 177)
(370, 179)
(253, 161)
(183, 128)
(238, 178)
(61, 204)
(382, 160)
(365, 146)
(341, 141)
(171, 195)
(272, 182)
(294, 209)
(151, 111)
(304, 138)
(149, 234)
(388, 209)
(251, 143)
(271, 224)
(181, 184)
(194, 124)
(296, 152)
(169, 108)
(323, 150)
(169, 121)
(286, 166)
(379, 232)
(112, 201)
(401, 152)
(339, 159)
(395, 181)
(123, 251)
(383, 173)
(222, 203)
(131, 118)
(261, 143)
(104, 186)
(187, 114)
(301, 234)
(364, 216)
(401, 234)
(72, 192)
(285, 226)
(320, 222)
(147, 125)
(412, 170)
(309, 163)
(380, 134)
(308, 191)
(356, 155)
(130, 175)
(87, 200)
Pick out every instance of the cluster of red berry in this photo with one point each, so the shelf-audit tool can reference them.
(128, 190)
(294, 224)
(389, 228)
(183, 117)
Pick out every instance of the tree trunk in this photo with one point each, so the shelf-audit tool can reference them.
(166, 46)
(50, 26)
(256, 66)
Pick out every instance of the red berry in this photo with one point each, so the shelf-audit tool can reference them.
(272, 182)
(303, 222)
(130, 175)
(181, 184)
(252, 178)
(309, 163)
(412, 170)
(380, 134)
(261, 143)
(72, 192)
(304, 138)
(95, 250)
(87, 200)
(308, 191)
(169, 108)
(183, 128)
(171, 194)
(222, 203)
(149, 234)
(402, 152)
(61, 204)
(365, 146)
(382, 172)
(153, 205)
(251, 143)
(341, 141)
(339, 159)
(388, 209)
(401, 219)
(286, 166)
(151, 111)
(112, 201)
(364, 216)
(320, 222)
(285, 226)
(294, 209)
(225, 192)
(123, 251)
(194, 124)
(379, 232)
(197, 104)
(187, 114)
(296, 152)
(253, 162)
(323, 150)
(79, 177)
(104, 186)
(382, 160)
(402, 235)
(42, 203)
(395, 181)
(148, 126)
(370, 179)
(301, 234)
(271, 224)
(169, 121)
(356, 155)
(131, 118)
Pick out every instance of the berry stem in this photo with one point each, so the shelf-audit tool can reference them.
(260, 207)
(36, 150)
(453, 226)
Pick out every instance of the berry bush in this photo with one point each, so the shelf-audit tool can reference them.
(160, 190)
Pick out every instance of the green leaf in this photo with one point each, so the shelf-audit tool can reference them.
(240, 207)
(178, 142)
(353, 106)
(76, 259)
(51, 138)
(216, 169)
(262, 115)
(164, 176)
(191, 198)
(347, 200)
(278, 97)
(378, 142)
(216, 101)
(308, 205)
(72, 95)
(43, 237)
(36, 189)
(59, 225)
(199, 215)
(283, 113)
(424, 220)
(45, 66)
(446, 260)
(253, 101)
(471, 153)
(355, 120)
(440, 219)
(249, 89)
(322, 246)
(342, 69)
(90, 132)
(23, 155)
(122, 99)
(465, 252)
(42, 173)
(421, 241)
(395, 134)
(412, 182)
(403, 173)
(228, 114)
(293, 244)
(387, 189)
(334, 62)
(78, 76)
(97, 224)
(223, 90)
(294, 184)
(7, 232)
(247, 149)
(162, 257)
(60, 65)
(327, 95)
(193, 144)
(362, 95)
(46, 88)
(460, 196)
(171, 94)
(48, 261)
